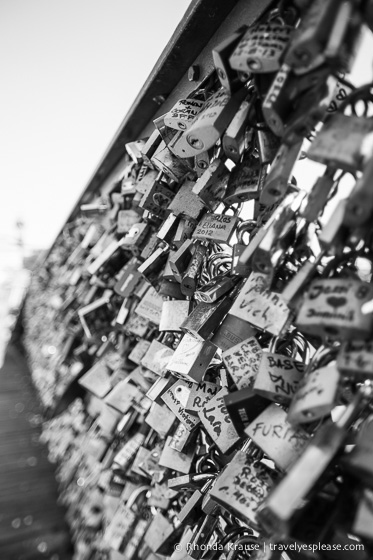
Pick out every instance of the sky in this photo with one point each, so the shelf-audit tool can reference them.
(70, 70)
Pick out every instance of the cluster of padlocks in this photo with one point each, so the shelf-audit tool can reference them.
(201, 335)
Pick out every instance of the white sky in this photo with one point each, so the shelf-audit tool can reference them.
(70, 70)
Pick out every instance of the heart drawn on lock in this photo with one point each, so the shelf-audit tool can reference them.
(335, 301)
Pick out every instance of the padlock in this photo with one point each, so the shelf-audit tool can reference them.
(157, 358)
(276, 182)
(181, 438)
(267, 143)
(199, 394)
(242, 486)
(339, 142)
(235, 137)
(209, 125)
(327, 32)
(175, 168)
(332, 307)
(186, 202)
(355, 360)
(150, 306)
(220, 57)
(261, 48)
(168, 229)
(135, 238)
(184, 231)
(150, 147)
(217, 287)
(183, 113)
(261, 307)
(279, 374)
(232, 331)
(161, 535)
(215, 227)
(242, 361)
(245, 180)
(128, 278)
(279, 440)
(153, 265)
(278, 513)
(218, 423)
(243, 407)
(211, 186)
(271, 250)
(145, 182)
(176, 460)
(157, 199)
(161, 419)
(191, 276)
(238, 268)
(318, 196)
(174, 313)
(317, 392)
(205, 317)
(202, 161)
(192, 358)
(173, 399)
(180, 260)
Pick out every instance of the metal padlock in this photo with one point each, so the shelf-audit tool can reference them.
(183, 113)
(243, 407)
(235, 137)
(276, 437)
(174, 313)
(211, 186)
(242, 361)
(238, 268)
(136, 237)
(191, 276)
(173, 398)
(176, 460)
(242, 486)
(261, 307)
(209, 125)
(164, 160)
(168, 229)
(279, 374)
(180, 260)
(157, 200)
(317, 392)
(220, 57)
(150, 147)
(327, 32)
(160, 419)
(157, 357)
(276, 182)
(218, 423)
(267, 143)
(150, 306)
(216, 227)
(192, 358)
(184, 231)
(232, 331)
(332, 307)
(217, 287)
(186, 202)
(355, 360)
(205, 317)
(245, 181)
(318, 196)
(340, 140)
(261, 48)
